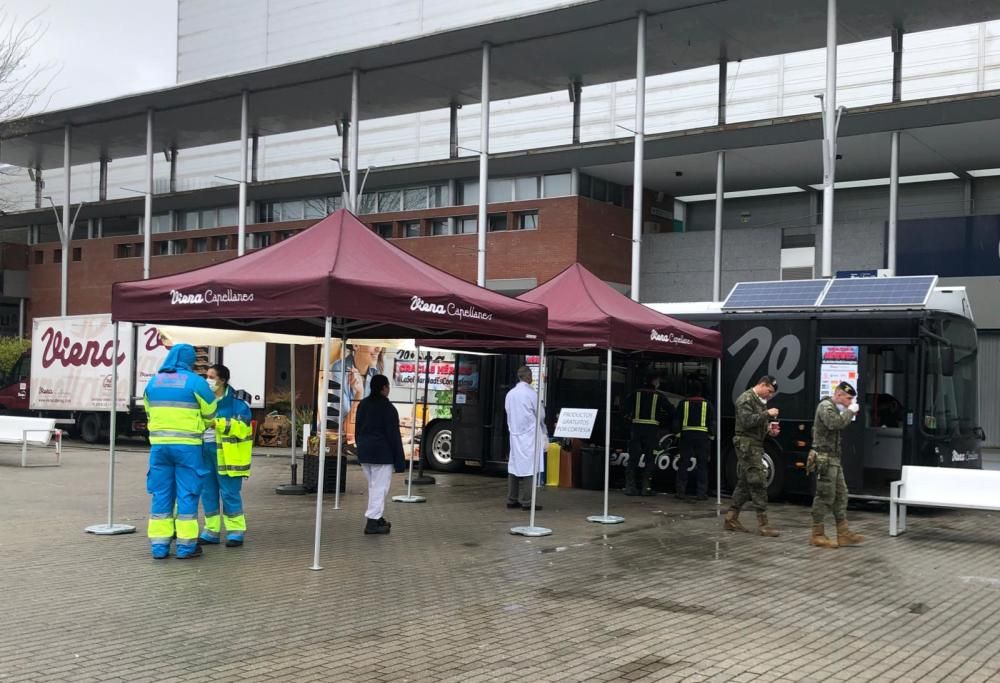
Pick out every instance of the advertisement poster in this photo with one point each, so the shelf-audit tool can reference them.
(72, 360)
(837, 364)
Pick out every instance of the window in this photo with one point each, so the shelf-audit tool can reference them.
(439, 226)
(384, 230)
(161, 223)
(470, 192)
(411, 229)
(199, 245)
(258, 240)
(228, 215)
(367, 203)
(390, 200)
(315, 208)
(334, 203)
(161, 248)
(526, 220)
(188, 220)
(499, 190)
(220, 243)
(599, 189)
(415, 198)
(497, 222)
(557, 185)
(178, 246)
(439, 196)
(209, 218)
(57, 256)
(526, 188)
(468, 225)
(77, 254)
(40, 257)
(293, 210)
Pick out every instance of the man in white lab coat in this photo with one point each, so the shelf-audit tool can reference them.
(523, 420)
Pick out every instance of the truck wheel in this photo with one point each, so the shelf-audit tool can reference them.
(439, 441)
(90, 427)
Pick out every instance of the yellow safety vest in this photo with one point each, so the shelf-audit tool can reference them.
(235, 446)
(638, 419)
(702, 425)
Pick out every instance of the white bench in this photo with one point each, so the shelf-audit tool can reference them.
(941, 487)
(36, 431)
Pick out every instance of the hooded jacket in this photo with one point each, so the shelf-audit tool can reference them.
(179, 403)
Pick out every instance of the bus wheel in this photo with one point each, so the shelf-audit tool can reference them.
(90, 427)
(439, 442)
(774, 469)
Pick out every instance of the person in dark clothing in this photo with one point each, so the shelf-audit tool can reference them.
(696, 424)
(649, 411)
(380, 450)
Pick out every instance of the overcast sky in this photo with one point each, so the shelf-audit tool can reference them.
(99, 49)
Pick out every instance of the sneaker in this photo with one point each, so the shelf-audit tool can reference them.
(203, 540)
(233, 541)
(161, 551)
(190, 556)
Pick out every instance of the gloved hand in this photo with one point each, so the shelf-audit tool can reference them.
(854, 408)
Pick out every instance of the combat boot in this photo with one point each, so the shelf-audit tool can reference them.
(763, 528)
(819, 539)
(647, 483)
(630, 489)
(732, 522)
(845, 536)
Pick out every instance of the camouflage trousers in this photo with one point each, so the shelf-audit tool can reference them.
(831, 491)
(751, 484)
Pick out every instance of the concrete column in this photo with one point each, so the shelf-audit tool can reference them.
(67, 228)
(723, 82)
(484, 150)
(173, 169)
(453, 130)
(352, 192)
(829, 136)
(574, 182)
(254, 156)
(147, 215)
(893, 202)
(102, 183)
(241, 207)
(39, 187)
(720, 176)
(897, 64)
(640, 125)
(575, 90)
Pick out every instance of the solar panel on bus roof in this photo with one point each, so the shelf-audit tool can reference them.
(784, 294)
(879, 291)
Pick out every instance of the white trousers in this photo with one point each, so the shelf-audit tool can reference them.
(379, 479)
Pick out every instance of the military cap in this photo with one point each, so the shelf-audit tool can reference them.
(847, 389)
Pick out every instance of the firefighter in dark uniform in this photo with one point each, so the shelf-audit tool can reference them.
(650, 410)
(696, 419)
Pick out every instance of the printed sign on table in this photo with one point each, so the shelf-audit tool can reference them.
(576, 423)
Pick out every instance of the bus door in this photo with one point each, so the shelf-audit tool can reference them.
(883, 394)
(467, 411)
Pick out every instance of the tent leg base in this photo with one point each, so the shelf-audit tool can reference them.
(110, 529)
(606, 519)
(315, 568)
(290, 490)
(530, 531)
(408, 499)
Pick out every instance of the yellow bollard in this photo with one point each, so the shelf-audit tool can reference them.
(552, 464)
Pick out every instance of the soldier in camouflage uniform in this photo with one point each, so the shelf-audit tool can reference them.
(833, 415)
(753, 419)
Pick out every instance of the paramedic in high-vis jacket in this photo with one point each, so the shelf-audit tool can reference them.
(179, 406)
(227, 452)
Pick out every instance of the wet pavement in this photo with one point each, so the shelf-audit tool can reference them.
(450, 595)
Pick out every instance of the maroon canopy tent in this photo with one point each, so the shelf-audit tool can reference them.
(337, 276)
(587, 313)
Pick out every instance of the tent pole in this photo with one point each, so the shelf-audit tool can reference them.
(531, 529)
(424, 479)
(293, 488)
(343, 414)
(606, 518)
(321, 451)
(409, 497)
(718, 431)
(111, 528)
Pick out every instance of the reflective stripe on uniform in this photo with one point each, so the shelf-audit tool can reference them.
(172, 404)
(174, 433)
(234, 468)
(703, 424)
(651, 420)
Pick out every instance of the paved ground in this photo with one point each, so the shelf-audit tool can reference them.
(451, 596)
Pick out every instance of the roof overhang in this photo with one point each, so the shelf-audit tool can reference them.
(534, 53)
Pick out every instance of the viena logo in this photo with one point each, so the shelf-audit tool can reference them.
(670, 338)
(209, 297)
(452, 309)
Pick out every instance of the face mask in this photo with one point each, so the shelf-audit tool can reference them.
(762, 400)
(840, 408)
(213, 384)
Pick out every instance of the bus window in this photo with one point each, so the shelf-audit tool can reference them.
(883, 376)
(467, 387)
(949, 393)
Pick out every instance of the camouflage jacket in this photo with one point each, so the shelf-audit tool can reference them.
(827, 426)
(751, 420)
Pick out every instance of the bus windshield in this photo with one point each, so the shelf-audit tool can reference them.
(950, 389)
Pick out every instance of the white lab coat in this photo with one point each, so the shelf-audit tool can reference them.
(521, 404)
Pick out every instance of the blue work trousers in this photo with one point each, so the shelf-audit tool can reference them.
(174, 480)
(214, 487)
